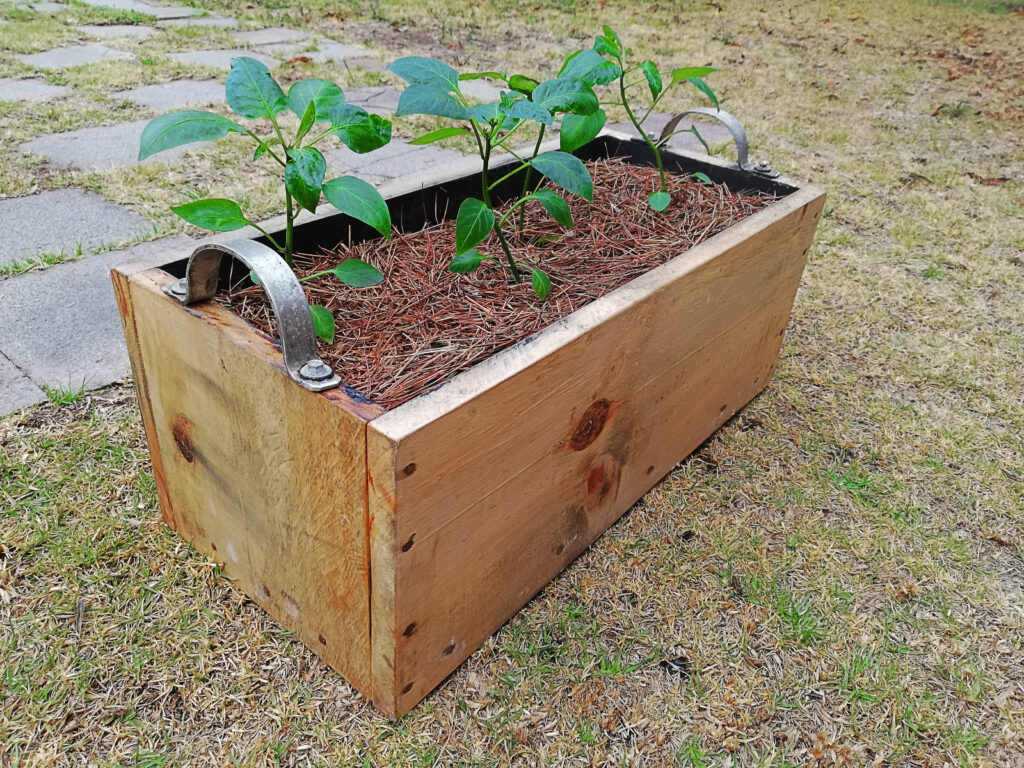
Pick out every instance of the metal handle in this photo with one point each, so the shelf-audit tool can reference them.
(738, 135)
(287, 300)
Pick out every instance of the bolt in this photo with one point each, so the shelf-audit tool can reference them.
(316, 370)
(178, 288)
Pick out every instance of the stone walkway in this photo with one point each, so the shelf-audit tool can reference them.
(59, 327)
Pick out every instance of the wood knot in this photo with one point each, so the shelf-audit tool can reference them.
(181, 431)
(590, 425)
(601, 483)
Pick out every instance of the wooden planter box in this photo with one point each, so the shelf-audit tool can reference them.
(394, 543)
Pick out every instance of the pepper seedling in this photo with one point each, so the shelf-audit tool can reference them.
(434, 90)
(253, 93)
(609, 60)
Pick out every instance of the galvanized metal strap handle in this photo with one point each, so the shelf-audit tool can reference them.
(287, 300)
(738, 135)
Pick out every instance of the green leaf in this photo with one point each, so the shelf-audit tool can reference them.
(525, 109)
(686, 73)
(591, 67)
(304, 176)
(659, 200)
(607, 46)
(703, 178)
(252, 92)
(567, 171)
(359, 200)
(693, 129)
(472, 225)
(323, 323)
(485, 113)
(357, 273)
(179, 128)
(556, 206)
(522, 84)
(478, 75)
(566, 94)
(704, 88)
(264, 146)
(466, 262)
(439, 134)
(358, 129)
(579, 130)
(541, 283)
(307, 122)
(430, 100)
(323, 93)
(216, 214)
(419, 70)
(653, 77)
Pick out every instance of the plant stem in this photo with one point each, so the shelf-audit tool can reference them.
(266, 234)
(288, 227)
(485, 184)
(526, 181)
(638, 125)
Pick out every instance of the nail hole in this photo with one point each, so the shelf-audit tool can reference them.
(410, 630)
(560, 550)
(266, 590)
(650, 469)
(409, 469)
(806, 251)
(213, 546)
(322, 639)
(449, 650)
(407, 688)
(722, 409)
(408, 545)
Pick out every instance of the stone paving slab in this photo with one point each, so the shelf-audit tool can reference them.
(151, 9)
(176, 94)
(61, 326)
(481, 90)
(200, 21)
(60, 220)
(712, 132)
(106, 31)
(109, 146)
(71, 56)
(391, 161)
(221, 58)
(49, 7)
(16, 389)
(374, 99)
(271, 36)
(29, 90)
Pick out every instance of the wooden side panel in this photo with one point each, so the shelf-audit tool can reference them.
(497, 487)
(384, 551)
(255, 471)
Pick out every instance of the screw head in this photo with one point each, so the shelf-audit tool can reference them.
(178, 288)
(316, 370)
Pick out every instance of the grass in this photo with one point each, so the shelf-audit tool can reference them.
(835, 578)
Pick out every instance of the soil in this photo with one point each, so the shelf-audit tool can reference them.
(424, 324)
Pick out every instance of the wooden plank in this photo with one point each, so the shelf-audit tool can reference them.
(255, 471)
(507, 473)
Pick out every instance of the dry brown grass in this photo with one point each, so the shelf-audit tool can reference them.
(835, 578)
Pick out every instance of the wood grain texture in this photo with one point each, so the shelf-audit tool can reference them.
(492, 484)
(256, 472)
